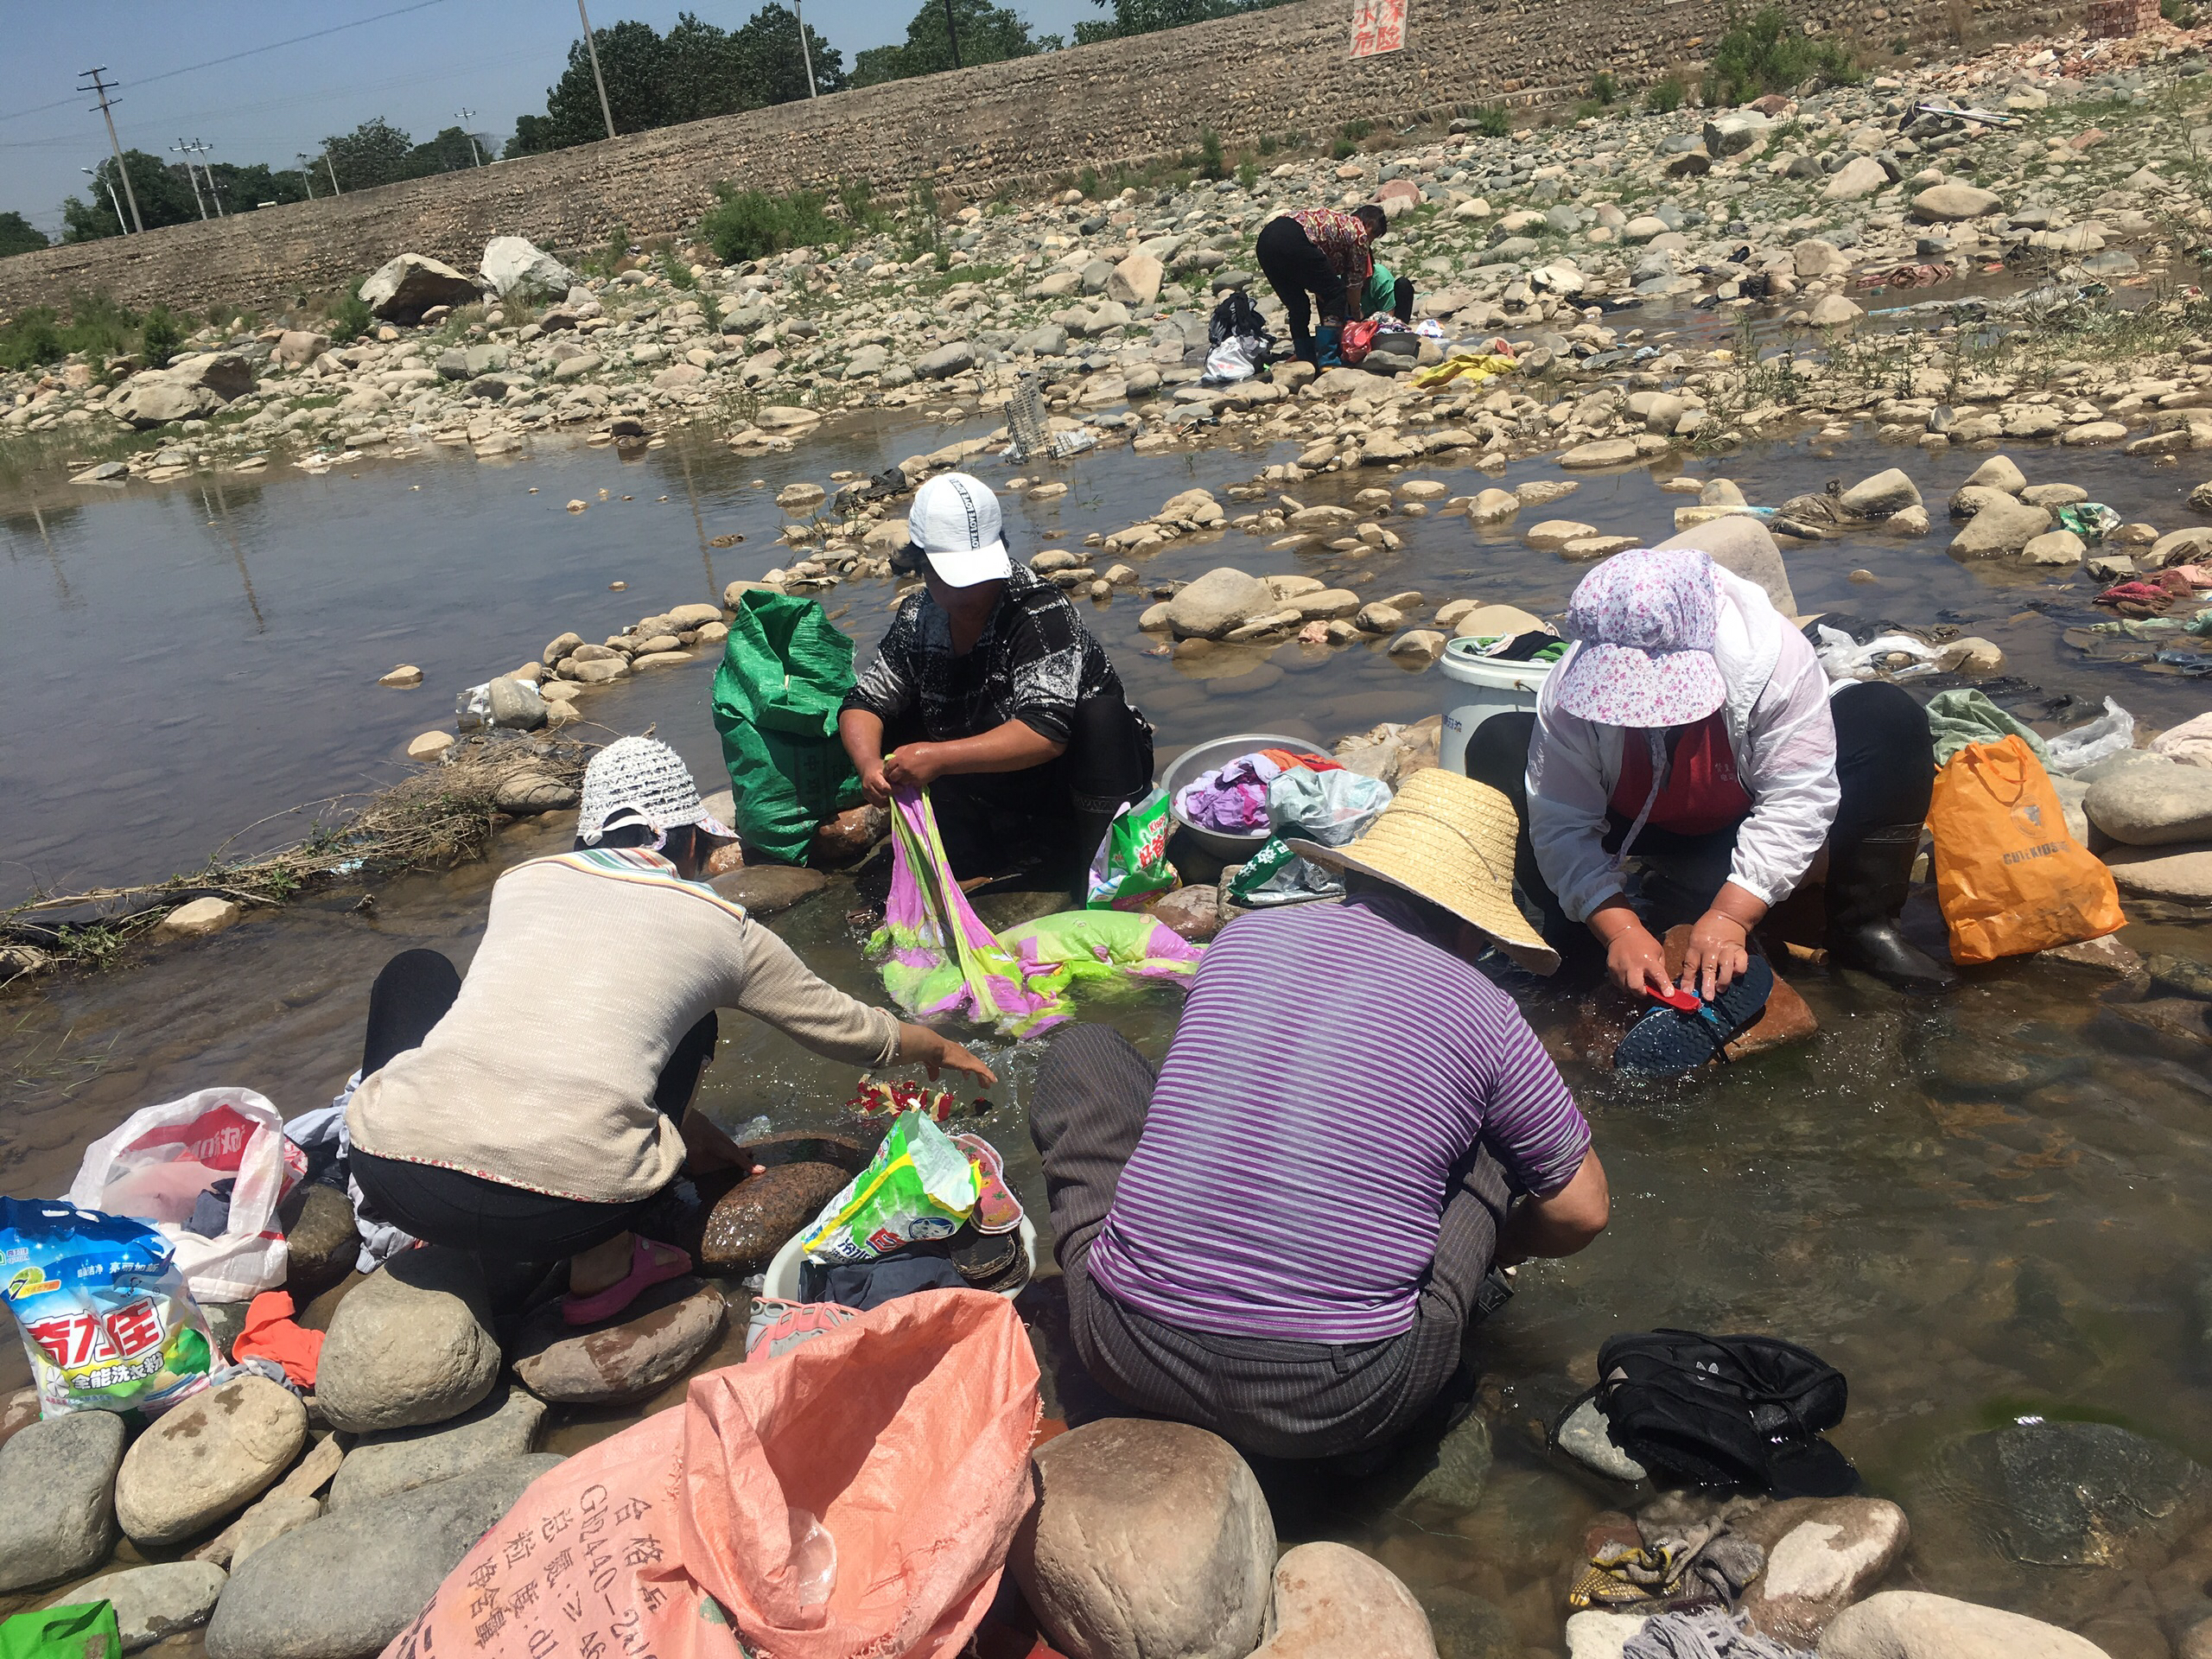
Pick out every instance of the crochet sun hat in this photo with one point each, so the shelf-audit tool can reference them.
(1644, 624)
(637, 781)
(955, 521)
(1450, 840)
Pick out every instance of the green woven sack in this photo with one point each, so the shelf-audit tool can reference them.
(785, 668)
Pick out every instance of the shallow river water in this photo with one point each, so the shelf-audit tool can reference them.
(1993, 1205)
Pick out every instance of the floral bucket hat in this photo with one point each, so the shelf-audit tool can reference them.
(1644, 624)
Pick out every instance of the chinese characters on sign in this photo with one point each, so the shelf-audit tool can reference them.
(1377, 26)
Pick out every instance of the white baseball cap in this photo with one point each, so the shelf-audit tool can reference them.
(955, 521)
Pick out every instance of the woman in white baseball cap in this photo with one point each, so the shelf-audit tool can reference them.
(532, 1109)
(989, 691)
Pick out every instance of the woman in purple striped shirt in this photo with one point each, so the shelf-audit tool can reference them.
(1284, 1236)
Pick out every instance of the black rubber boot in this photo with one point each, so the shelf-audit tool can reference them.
(1867, 883)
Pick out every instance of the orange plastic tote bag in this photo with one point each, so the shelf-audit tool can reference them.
(2009, 877)
(903, 1436)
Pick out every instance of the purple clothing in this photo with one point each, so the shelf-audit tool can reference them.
(1234, 798)
(1330, 1077)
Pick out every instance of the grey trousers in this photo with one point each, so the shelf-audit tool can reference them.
(1273, 1398)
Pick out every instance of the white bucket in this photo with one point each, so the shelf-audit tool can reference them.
(1498, 688)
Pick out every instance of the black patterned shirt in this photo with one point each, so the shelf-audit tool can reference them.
(1034, 663)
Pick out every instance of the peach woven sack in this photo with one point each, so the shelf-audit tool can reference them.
(2010, 879)
(906, 1431)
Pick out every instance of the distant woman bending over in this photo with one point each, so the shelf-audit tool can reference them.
(533, 1110)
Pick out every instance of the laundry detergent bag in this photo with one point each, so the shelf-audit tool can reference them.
(104, 1313)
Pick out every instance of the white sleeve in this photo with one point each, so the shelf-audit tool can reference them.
(1567, 812)
(1789, 773)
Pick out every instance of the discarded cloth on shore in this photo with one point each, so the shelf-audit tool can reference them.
(940, 958)
(856, 1494)
(1703, 1633)
(271, 1333)
(154, 1167)
(1963, 716)
(1466, 369)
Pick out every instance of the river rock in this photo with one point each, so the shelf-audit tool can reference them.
(57, 1497)
(1822, 1554)
(207, 1458)
(412, 1344)
(1587, 1437)
(516, 705)
(1148, 1540)
(1192, 912)
(322, 1242)
(1493, 507)
(504, 1425)
(1997, 473)
(1223, 599)
(945, 361)
(199, 918)
(2073, 1495)
(764, 889)
(648, 1345)
(1554, 533)
(1942, 204)
(1452, 1471)
(402, 289)
(1331, 1600)
(847, 838)
(2181, 874)
(154, 1602)
(1742, 546)
(1136, 280)
(1885, 493)
(1601, 1635)
(515, 265)
(264, 1523)
(1604, 452)
(759, 1215)
(1856, 179)
(1913, 1624)
(1834, 311)
(343, 1586)
(2153, 806)
(156, 399)
(2004, 526)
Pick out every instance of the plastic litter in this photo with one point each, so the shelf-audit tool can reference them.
(814, 1559)
(1330, 808)
(154, 1167)
(1025, 419)
(105, 1315)
(472, 710)
(1843, 659)
(2112, 733)
(920, 1186)
(2091, 520)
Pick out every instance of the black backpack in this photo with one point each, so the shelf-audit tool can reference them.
(1236, 317)
(1739, 1412)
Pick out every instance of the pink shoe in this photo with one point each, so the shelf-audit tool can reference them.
(649, 1264)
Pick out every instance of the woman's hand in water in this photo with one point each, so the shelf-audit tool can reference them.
(914, 766)
(1717, 954)
(874, 784)
(920, 1045)
(1635, 960)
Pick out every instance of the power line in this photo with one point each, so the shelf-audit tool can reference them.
(115, 143)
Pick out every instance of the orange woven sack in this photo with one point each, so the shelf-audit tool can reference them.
(906, 1432)
(2009, 877)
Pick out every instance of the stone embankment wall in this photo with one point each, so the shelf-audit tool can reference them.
(1021, 123)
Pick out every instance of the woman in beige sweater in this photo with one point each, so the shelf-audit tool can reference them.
(496, 1116)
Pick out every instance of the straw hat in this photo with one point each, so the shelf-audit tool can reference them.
(1447, 839)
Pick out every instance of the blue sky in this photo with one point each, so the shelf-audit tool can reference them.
(416, 69)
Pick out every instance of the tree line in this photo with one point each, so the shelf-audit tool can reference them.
(654, 79)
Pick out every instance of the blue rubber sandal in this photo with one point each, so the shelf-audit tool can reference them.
(1665, 1042)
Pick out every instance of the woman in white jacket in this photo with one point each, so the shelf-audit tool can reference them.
(1692, 727)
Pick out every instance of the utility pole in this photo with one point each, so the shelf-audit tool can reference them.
(598, 80)
(201, 147)
(952, 33)
(806, 55)
(93, 174)
(180, 148)
(462, 115)
(307, 171)
(116, 144)
(333, 171)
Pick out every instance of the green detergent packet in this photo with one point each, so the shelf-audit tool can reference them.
(918, 1186)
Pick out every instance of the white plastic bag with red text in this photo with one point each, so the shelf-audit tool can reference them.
(156, 1166)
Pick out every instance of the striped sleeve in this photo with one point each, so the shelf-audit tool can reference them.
(1533, 1125)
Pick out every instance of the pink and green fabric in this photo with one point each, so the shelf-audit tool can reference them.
(939, 958)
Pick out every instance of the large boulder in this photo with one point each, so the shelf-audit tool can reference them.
(2003, 526)
(57, 1497)
(1331, 1600)
(1223, 599)
(152, 1603)
(227, 374)
(412, 1344)
(1942, 204)
(1856, 179)
(1822, 1555)
(1733, 132)
(2152, 806)
(1741, 545)
(208, 1458)
(504, 1425)
(2076, 1495)
(299, 346)
(650, 1344)
(402, 289)
(514, 265)
(1913, 1624)
(1881, 495)
(1136, 280)
(945, 361)
(154, 399)
(1148, 1540)
(343, 1586)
